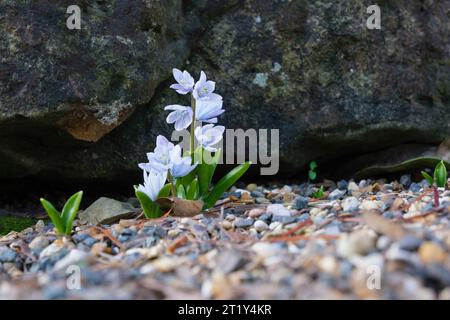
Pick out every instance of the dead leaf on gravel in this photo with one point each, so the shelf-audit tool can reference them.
(181, 207)
(383, 225)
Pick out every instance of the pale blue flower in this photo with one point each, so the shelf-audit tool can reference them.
(159, 159)
(180, 166)
(181, 116)
(209, 135)
(153, 183)
(208, 110)
(185, 82)
(204, 89)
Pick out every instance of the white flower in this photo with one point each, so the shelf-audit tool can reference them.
(204, 89)
(153, 183)
(159, 159)
(185, 82)
(209, 135)
(208, 110)
(180, 166)
(181, 116)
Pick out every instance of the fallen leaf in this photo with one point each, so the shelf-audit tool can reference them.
(181, 207)
(383, 225)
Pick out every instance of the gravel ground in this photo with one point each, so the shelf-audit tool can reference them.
(362, 240)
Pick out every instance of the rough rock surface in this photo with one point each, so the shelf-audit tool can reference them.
(311, 69)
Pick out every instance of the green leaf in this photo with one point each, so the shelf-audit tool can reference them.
(224, 184)
(54, 215)
(181, 192)
(312, 175)
(206, 172)
(312, 165)
(440, 174)
(192, 192)
(165, 191)
(428, 178)
(151, 209)
(319, 193)
(70, 211)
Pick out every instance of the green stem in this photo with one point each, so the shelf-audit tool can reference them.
(173, 188)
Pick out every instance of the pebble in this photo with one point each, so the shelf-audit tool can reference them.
(275, 225)
(300, 203)
(414, 187)
(74, 257)
(409, 243)
(265, 249)
(230, 217)
(342, 184)
(262, 200)
(352, 187)
(243, 223)
(227, 225)
(405, 180)
(367, 205)
(350, 204)
(7, 255)
(359, 242)
(430, 252)
(260, 226)
(337, 194)
(278, 210)
(251, 187)
(255, 213)
(38, 244)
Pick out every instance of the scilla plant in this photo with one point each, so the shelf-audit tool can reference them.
(188, 176)
(439, 180)
(63, 220)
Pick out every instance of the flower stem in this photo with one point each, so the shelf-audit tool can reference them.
(192, 128)
(172, 185)
(436, 196)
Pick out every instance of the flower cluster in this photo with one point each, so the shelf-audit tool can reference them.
(166, 161)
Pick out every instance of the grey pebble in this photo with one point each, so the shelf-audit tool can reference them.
(243, 223)
(7, 254)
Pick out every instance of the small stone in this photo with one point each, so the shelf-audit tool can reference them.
(350, 204)
(278, 210)
(243, 223)
(337, 194)
(342, 185)
(230, 217)
(7, 255)
(300, 203)
(275, 225)
(173, 233)
(251, 187)
(368, 205)
(414, 187)
(409, 243)
(267, 218)
(38, 244)
(260, 226)
(40, 225)
(262, 200)
(74, 257)
(359, 242)
(227, 225)
(431, 253)
(352, 187)
(255, 213)
(265, 249)
(98, 248)
(405, 180)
